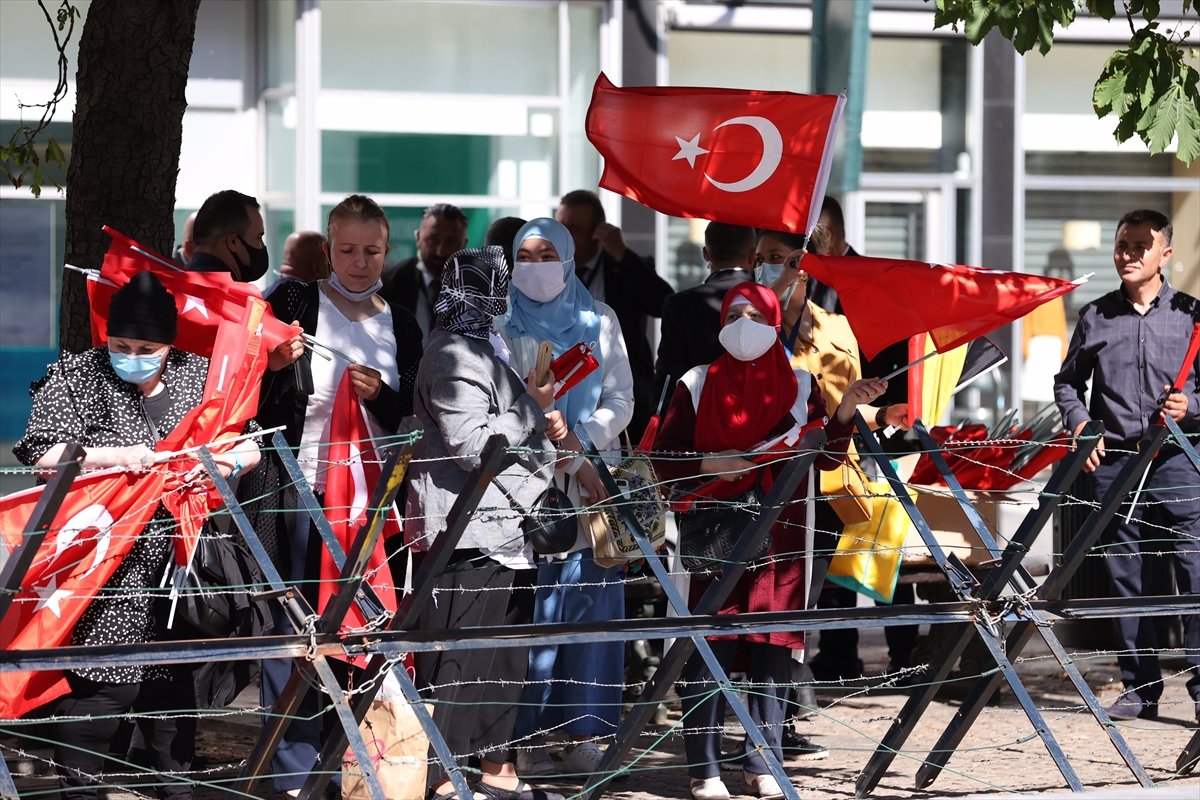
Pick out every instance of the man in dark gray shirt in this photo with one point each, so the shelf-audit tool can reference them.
(1130, 344)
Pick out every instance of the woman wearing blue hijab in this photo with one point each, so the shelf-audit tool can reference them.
(574, 689)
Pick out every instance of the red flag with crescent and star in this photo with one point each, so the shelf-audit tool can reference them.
(888, 299)
(203, 299)
(745, 157)
(354, 470)
(94, 529)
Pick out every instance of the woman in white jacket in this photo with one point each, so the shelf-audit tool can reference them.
(574, 690)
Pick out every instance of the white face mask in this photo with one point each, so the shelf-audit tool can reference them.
(767, 274)
(540, 281)
(745, 339)
(336, 283)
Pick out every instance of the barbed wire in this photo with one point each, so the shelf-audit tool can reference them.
(850, 690)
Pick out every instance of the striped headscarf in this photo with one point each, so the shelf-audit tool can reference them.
(474, 292)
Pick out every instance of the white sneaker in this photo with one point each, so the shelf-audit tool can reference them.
(709, 789)
(764, 786)
(583, 758)
(535, 762)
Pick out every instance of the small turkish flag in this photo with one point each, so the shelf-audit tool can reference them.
(203, 299)
(94, 529)
(889, 299)
(744, 157)
(353, 473)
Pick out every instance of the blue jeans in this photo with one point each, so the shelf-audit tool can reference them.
(575, 689)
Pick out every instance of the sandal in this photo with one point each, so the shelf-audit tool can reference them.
(523, 792)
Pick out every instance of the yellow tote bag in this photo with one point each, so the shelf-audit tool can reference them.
(869, 553)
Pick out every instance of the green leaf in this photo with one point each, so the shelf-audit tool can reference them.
(1027, 30)
(946, 13)
(1187, 126)
(1007, 16)
(978, 24)
(1045, 23)
(1109, 91)
(1167, 112)
(1105, 9)
(1151, 10)
(54, 153)
(1065, 14)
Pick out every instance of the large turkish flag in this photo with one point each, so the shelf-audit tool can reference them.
(203, 299)
(94, 529)
(744, 157)
(888, 299)
(231, 393)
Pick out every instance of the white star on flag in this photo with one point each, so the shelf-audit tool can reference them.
(689, 150)
(50, 596)
(190, 302)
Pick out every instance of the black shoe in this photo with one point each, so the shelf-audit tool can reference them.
(523, 792)
(800, 747)
(825, 668)
(1130, 706)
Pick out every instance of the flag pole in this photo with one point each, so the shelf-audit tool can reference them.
(157, 259)
(907, 367)
(317, 347)
(168, 455)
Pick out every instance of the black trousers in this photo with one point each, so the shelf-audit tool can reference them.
(83, 746)
(768, 672)
(1165, 524)
(477, 692)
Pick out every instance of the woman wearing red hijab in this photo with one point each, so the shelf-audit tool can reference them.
(720, 411)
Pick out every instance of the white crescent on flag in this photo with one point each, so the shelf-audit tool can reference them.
(91, 518)
(772, 154)
(97, 522)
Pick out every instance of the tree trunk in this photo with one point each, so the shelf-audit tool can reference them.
(128, 126)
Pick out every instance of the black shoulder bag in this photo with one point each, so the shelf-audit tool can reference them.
(708, 535)
(549, 526)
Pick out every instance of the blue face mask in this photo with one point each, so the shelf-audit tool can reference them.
(135, 369)
(767, 274)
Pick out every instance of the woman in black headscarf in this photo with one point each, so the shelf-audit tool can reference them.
(466, 393)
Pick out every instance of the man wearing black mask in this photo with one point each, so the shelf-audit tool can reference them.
(228, 235)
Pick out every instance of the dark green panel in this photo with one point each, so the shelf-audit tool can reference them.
(405, 163)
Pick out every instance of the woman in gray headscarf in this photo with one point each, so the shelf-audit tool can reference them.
(465, 394)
